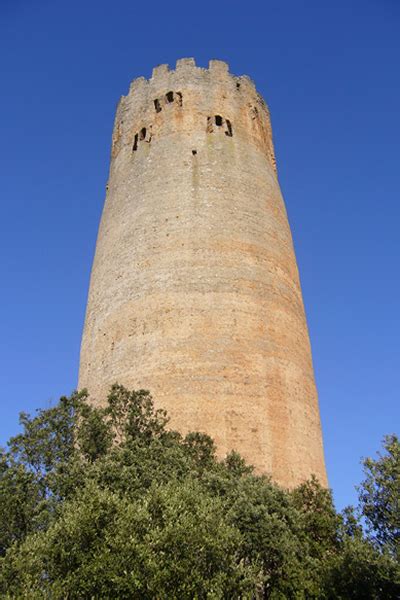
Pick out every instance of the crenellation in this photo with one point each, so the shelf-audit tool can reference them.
(218, 67)
(184, 64)
(188, 74)
(160, 71)
(138, 85)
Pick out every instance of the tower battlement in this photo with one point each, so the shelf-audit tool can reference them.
(194, 292)
(202, 98)
(186, 67)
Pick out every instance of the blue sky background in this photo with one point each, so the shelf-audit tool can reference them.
(330, 74)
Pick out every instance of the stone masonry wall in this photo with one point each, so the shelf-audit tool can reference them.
(195, 292)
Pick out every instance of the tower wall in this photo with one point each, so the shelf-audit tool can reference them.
(195, 292)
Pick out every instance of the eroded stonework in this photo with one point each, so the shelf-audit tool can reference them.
(195, 293)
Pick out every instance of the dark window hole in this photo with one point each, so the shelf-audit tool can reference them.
(135, 142)
(170, 96)
(238, 86)
(218, 120)
(179, 95)
(229, 128)
(157, 105)
(142, 134)
(194, 152)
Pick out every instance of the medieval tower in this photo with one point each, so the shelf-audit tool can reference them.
(195, 292)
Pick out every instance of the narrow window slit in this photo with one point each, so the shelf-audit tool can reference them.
(142, 134)
(170, 96)
(135, 143)
(157, 105)
(218, 120)
(229, 127)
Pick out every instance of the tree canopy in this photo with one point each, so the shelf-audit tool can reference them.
(100, 503)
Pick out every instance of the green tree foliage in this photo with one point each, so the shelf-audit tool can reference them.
(380, 497)
(100, 503)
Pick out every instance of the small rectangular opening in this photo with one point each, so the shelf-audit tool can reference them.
(157, 105)
(218, 120)
(170, 96)
(142, 134)
(135, 143)
(229, 128)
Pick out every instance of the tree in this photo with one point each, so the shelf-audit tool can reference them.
(110, 503)
(379, 496)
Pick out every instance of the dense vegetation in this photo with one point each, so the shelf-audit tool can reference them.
(110, 504)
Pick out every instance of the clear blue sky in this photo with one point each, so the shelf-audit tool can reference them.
(330, 74)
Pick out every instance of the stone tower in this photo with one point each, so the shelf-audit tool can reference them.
(195, 291)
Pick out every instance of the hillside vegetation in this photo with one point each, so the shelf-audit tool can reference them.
(111, 504)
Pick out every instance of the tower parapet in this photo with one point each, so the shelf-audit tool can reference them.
(146, 103)
(194, 291)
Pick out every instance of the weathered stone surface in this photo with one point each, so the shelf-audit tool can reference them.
(195, 292)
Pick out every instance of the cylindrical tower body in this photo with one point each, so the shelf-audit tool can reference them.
(195, 292)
